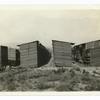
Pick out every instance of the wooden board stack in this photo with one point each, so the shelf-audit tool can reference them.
(9, 56)
(62, 52)
(33, 54)
(95, 56)
(94, 52)
(93, 44)
(3, 56)
(28, 54)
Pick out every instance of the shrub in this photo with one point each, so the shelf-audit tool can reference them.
(42, 86)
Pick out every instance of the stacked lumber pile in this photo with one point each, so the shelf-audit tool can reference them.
(97, 44)
(89, 52)
(93, 44)
(62, 52)
(28, 54)
(11, 54)
(90, 45)
(34, 54)
(94, 52)
(8, 56)
(3, 56)
(13, 57)
(95, 56)
(86, 56)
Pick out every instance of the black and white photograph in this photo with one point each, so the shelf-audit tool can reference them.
(49, 48)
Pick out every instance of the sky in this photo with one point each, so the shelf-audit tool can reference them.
(22, 24)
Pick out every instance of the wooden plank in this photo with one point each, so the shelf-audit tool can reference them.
(29, 58)
(63, 64)
(62, 54)
(29, 61)
(62, 47)
(61, 44)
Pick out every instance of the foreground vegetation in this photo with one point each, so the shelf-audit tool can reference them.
(73, 79)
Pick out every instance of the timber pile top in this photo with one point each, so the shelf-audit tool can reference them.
(28, 43)
(63, 42)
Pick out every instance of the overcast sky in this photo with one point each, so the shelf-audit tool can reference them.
(26, 24)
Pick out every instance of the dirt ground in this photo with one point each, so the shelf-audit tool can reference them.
(76, 78)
